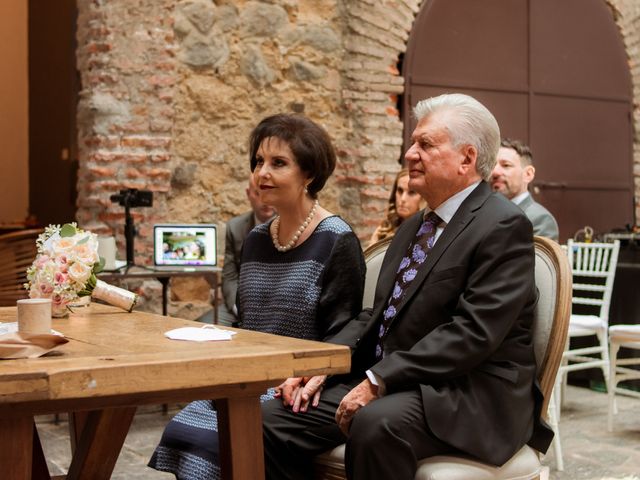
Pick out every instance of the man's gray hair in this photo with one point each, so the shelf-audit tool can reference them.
(471, 124)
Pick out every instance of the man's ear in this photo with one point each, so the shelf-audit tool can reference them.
(528, 174)
(469, 160)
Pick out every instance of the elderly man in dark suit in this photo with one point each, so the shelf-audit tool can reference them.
(444, 362)
(237, 230)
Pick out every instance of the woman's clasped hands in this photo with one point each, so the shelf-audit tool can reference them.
(299, 392)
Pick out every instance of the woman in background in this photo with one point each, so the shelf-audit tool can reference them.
(301, 275)
(403, 203)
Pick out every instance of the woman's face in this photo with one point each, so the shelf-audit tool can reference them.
(407, 201)
(277, 174)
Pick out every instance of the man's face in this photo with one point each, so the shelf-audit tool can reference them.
(262, 211)
(437, 169)
(509, 176)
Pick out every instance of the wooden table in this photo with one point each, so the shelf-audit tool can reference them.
(116, 361)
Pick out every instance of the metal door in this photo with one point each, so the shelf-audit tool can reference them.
(556, 75)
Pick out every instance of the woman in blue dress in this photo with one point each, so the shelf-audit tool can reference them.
(301, 275)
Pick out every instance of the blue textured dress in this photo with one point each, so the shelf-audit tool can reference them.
(308, 292)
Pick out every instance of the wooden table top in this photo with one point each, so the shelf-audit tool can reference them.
(112, 353)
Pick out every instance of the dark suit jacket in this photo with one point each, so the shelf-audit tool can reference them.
(237, 230)
(462, 334)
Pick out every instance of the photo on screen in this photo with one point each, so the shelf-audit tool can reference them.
(185, 245)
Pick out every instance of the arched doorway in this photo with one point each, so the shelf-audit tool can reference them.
(556, 76)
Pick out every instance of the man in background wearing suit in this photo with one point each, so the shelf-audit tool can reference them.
(513, 173)
(444, 361)
(237, 230)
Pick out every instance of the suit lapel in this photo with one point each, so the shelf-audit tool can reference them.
(526, 203)
(462, 218)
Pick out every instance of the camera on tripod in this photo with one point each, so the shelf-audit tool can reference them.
(129, 198)
(132, 197)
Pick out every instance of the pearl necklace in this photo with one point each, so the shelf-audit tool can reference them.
(296, 236)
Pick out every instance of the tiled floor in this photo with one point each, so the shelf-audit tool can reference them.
(590, 452)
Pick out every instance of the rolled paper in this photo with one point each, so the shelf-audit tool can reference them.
(34, 315)
(116, 296)
(107, 250)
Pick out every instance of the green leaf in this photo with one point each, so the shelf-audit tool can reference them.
(91, 283)
(84, 240)
(67, 230)
(99, 266)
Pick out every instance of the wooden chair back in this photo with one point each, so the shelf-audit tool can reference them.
(17, 252)
(373, 256)
(551, 324)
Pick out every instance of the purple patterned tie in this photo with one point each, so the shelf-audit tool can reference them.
(407, 270)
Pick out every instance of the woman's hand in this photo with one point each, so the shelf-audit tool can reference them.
(288, 389)
(299, 392)
(358, 397)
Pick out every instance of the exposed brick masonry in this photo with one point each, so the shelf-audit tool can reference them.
(126, 58)
(171, 90)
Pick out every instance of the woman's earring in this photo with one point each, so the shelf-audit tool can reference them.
(306, 190)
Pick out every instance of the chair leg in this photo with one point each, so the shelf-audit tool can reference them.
(611, 386)
(604, 344)
(553, 422)
(563, 379)
(557, 393)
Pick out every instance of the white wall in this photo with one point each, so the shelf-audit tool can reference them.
(14, 97)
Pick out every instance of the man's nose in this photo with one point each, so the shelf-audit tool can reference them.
(411, 154)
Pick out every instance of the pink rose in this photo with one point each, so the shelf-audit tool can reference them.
(42, 260)
(45, 288)
(57, 299)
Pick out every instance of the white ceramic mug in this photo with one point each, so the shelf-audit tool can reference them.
(34, 315)
(107, 250)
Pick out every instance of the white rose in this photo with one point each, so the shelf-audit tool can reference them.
(86, 253)
(79, 272)
(63, 245)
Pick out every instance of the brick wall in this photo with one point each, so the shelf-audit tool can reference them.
(171, 90)
(126, 59)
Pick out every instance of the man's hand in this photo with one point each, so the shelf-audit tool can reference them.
(358, 397)
(298, 392)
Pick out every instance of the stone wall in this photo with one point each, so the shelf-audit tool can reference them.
(171, 90)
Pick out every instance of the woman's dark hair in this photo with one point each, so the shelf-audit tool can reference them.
(308, 141)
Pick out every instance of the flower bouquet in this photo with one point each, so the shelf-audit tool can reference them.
(65, 269)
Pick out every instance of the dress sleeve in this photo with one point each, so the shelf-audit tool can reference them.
(342, 285)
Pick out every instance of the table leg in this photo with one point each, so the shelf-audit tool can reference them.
(165, 297)
(216, 301)
(100, 442)
(77, 421)
(39, 471)
(16, 448)
(240, 436)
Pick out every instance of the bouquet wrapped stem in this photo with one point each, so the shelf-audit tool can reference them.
(116, 296)
(66, 267)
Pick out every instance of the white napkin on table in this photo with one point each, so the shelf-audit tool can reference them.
(206, 333)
